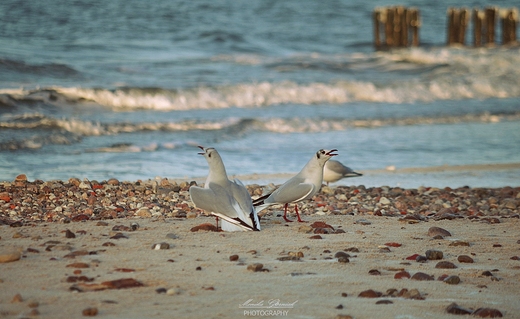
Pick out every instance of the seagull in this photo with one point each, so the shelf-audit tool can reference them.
(303, 185)
(223, 198)
(334, 171)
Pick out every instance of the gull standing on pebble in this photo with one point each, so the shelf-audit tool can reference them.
(223, 198)
(334, 171)
(303, 185)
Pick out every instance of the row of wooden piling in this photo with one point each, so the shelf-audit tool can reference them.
(398, 26)
(484, 26)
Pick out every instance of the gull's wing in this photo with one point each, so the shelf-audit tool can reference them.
(292, 191)
(219, 202)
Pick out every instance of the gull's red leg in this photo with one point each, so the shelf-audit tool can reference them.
(298, 214)
(285, 213)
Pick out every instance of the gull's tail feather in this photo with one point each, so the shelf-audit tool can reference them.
(237, 223)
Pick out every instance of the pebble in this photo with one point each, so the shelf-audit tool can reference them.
(10, 256)
(445, 265)
(233, 257)
(69, 234)
(402, 274)
(455, 309)
(370, 294)
(384, 302)
(161, 246)
(173, 291)
(90, 312)
(459, 243)
(421, 276)
(17, 298)
(452, 280)
(255, 267)
(465, 259)
(437, 231)
(433, 254)
(487, 313)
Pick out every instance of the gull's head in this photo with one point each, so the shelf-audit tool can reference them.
(324, 155)
(209, 153)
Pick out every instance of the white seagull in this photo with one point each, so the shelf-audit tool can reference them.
(303, 185)
(223, 198)
(334, 171)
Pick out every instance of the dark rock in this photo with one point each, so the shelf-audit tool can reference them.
(487, 313)
(433, 254)
(445, 265)
(370, 294)
(452, 280)
(455, 309)
(421, 276)
(437, 231)
(465, 259)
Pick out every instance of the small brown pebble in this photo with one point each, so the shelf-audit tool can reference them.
(352, 250)
(421, 259)
(421, 276)
(316, 237)
(465, 259)
(433, 254)
(487, 313)
(198, 268)
(343, 260)
(402, 274)
(101, 223)
(452, 280)
(370, 294)
(340, 316)
(459, 243)
(160, 290)
(206, 226)
(437, 231)
(384, 302)
(445, 265)
(487, 273)
(17, 298)
(455, 309)
(90, 312)
(233, 257)
(255, 267)
(340, 254)
(339, 307)
(69, 234)
(6, 257)
(374, 272)
(497, 245)
(78, 265)
(118, 236)
(33, 304)
(108, 244)
(515, 258)
(344, 294)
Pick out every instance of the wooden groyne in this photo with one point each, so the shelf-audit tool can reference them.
(398, 26)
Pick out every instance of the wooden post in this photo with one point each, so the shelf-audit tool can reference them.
(389, 27)
(414, 24)
(463, 23)
(477, 28)
(450, 16)
(509, 21)
(490, 26)
(376, 16)
(404, 27)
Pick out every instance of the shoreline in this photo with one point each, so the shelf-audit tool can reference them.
(120, 249)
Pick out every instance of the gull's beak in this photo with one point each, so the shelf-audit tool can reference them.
(202, 148)
(330, 153)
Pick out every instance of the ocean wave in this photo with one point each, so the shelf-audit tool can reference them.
(235, 126)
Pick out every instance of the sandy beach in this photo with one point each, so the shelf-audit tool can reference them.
(116, 249)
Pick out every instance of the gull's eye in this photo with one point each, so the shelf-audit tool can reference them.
(209, 154)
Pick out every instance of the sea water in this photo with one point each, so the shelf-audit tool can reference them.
(129, 89)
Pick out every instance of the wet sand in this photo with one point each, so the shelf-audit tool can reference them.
(77, 239)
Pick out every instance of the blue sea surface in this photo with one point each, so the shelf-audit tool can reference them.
(128, 89)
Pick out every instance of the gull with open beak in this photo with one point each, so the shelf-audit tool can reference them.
(302, 186)
(225, 199)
